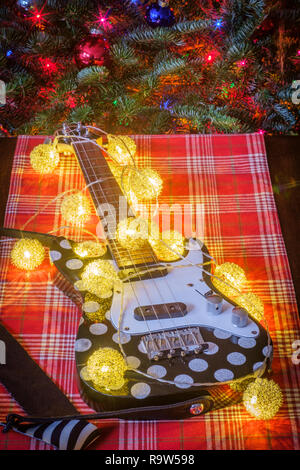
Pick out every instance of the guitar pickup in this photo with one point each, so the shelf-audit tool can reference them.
(160, 311)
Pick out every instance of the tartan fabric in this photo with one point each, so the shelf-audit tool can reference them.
(228, 178)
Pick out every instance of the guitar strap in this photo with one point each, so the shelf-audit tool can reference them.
(37, 394)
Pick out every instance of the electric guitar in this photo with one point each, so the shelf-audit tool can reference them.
(177, 333)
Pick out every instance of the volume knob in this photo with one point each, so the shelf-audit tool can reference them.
(239, 317)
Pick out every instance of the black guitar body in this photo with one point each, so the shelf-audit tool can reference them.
(160, 382)
(243, 357)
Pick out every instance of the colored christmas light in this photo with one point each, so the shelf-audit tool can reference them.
(27, 254)
(218, 24)
(48, 65)
(242, 63)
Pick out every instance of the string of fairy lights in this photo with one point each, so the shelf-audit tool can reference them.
(106, 367)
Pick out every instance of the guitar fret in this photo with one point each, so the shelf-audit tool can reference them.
(108, 191)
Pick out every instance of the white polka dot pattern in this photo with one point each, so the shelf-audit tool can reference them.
(267, 350)
(257, 366)
(221, 334)
(123, 338)
(212, 349)
(65, 244)
(247, 343)
(236, 358)
(198, 365)
(74, 264)
(133, 362)
(90, 306)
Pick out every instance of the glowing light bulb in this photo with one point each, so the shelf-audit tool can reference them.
(253, 400)
(132, 233)
(122, 148)
(145, 184)
(99, 278)
(252, 303)
(262, 398)
(89, 249)
(44, 158)
(106, 368)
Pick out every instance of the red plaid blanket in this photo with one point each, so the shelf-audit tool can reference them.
(229, 176)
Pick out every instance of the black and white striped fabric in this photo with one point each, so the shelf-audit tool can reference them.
(68, 434)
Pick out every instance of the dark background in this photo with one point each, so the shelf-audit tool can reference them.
(284, 163)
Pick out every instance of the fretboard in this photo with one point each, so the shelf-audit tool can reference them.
(106, 195)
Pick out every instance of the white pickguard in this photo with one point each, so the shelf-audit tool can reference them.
(174, 288)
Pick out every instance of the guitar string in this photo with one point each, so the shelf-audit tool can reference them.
(92, 189)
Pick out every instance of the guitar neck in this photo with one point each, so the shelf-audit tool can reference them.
(107, 197)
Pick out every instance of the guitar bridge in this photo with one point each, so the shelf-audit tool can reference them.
(168, 344)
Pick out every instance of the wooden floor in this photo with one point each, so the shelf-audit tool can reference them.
(284, 163)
